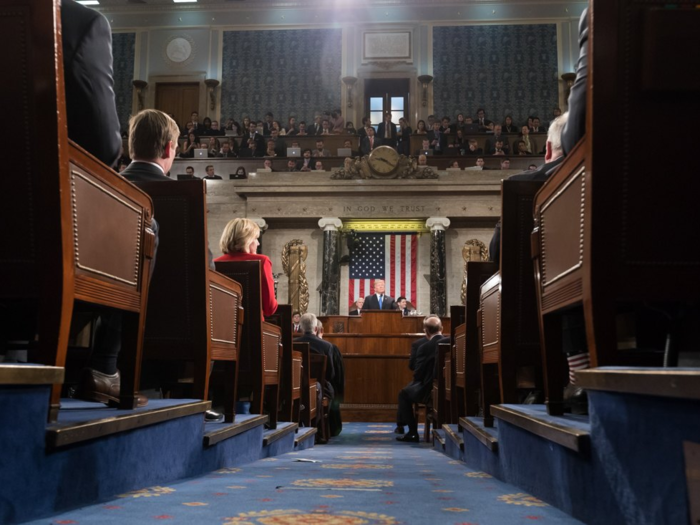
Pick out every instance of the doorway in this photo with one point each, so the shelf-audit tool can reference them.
(386, 94)
(179, 99)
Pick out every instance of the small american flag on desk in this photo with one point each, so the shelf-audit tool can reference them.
(389, 256)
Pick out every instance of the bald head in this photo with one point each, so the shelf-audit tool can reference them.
(432, 325)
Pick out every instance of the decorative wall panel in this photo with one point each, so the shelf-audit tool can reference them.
(123, 54)
(505, 69)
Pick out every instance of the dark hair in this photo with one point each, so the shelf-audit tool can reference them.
(402, 298)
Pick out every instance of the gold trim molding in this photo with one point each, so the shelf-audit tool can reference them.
(385, 225)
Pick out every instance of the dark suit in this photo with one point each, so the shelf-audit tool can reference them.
(438, 142)
(314, 129)
(354, 312)
(143, 172)
(542, 173)
(381, 133)
(87, 64)
(321, 347)
(311, 163)
(575, 126)
(414, 350)
(491, 144)
(418, 389)
(260, 148)
(365, 146)
(372, 303)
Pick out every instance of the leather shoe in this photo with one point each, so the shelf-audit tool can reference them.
(211, 416)
(409, 438)
(399, 430)
(99, 387)
(575, 400)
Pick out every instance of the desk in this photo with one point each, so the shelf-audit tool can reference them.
(375, 348)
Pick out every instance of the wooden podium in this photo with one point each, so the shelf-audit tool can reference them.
(375, 347)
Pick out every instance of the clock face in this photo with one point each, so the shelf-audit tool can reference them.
(383, 160)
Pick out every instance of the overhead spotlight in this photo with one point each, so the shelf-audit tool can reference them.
(89, 2)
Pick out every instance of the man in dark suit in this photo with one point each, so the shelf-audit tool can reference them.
(554, 157)
(411, 366)
(386, 131)
(335, 421)
(576, 125)
(252, 143)
(379, 301)
(370, 142)
(309, 325)
(497, 136)
(423, 373)
(438, 139)
(87, 64)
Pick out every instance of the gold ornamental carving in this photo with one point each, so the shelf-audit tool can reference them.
(473, 250)
(294, 265)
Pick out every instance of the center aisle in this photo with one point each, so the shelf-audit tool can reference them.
(363, 476)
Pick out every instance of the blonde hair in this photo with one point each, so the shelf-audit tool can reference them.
(237, 235)
(150, 131)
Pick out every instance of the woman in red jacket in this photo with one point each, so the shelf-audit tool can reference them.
(239, 242)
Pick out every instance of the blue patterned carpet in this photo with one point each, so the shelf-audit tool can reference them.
(362, 477)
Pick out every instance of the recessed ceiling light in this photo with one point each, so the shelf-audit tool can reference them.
(185, 1)
(89, 2)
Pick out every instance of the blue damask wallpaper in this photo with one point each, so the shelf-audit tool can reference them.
(123, 55)
(287, 72)
(505, 69)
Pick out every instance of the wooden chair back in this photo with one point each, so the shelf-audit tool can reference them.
(441, 384)
(283, 318)
(200, 319)
(261, 342)
(62, 207)
(318, 370)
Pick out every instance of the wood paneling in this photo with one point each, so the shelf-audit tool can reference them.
(178, 99)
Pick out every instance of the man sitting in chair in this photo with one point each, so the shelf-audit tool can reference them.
(379, 301)
(423, 373)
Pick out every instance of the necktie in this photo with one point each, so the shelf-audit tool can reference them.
(380, 301)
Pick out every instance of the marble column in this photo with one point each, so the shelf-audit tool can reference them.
(330, 285)
(438, 265)
(263, 226)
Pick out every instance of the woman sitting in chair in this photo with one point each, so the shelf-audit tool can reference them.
(239, 242)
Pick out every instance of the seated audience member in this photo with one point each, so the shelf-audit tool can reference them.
(438, 139)
(497, 136)
(296, 326)
(521, 148)
(306, 163)
(302, 129)
(356, 307)
(309, 326)
(454, 165)
(498, 148)
(280, 144)
(213, 146)
(153, 139)
(215, 131)
(554, 157)
(122, 165)
(189, 170)
(459, 141)
(484, 123)
(245, 124)
(530, 143)
(420, 128)
(402, 302)
(337, 122)
(291, 166)
(403, 136)
(422, 160)
(473, 148)
(326, 128)
(267, 165)
(318, 166)
(480, 163)
(291, 127)
(445, 126)
(239, 242)
(187, 129)
(232, 125)
(206, 127)
(536, 126)
(425, 148)
(211, 175)
(194, 125)
(350, 128)
(508, 125)
(420, 388)
(370, 142)
(348, 144)
(431, 121)
(191, 144)
(378, 300)
(320, 151)
(277, 126)
(270, 151)
(226, 150)
(252, 143)
(338, 383)
(505, 164)
(315, 127)
(267, 124)
(459, 123)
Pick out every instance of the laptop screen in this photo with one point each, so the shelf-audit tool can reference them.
(293, 152)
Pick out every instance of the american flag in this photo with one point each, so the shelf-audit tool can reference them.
(390, 256)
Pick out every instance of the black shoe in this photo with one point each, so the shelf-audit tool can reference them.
(409, 438)
(399, 430)
(575, 400)
(213, 417)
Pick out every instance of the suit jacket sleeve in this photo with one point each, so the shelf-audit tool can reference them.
(91, 108)
(495, 245)
(575, 127)
(269, 303)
